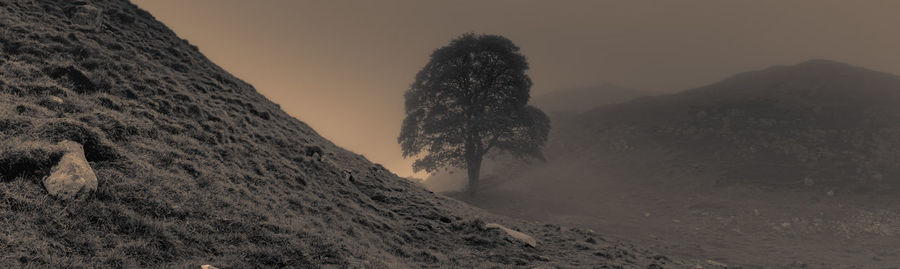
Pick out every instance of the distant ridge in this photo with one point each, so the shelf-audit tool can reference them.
(822, 119)
(576, 100)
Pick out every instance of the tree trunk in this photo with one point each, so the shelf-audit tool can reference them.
(474, 165)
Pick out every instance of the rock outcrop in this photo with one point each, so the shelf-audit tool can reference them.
(72, 177)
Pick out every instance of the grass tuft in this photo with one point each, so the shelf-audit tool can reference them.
(27, 159)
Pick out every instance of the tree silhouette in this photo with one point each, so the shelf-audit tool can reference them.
(471, 98)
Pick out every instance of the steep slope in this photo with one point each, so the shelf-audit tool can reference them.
(577, 100)
(196, 167)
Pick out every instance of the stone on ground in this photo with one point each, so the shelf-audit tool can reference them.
(514, 234)
(86, 17)
(72, 176)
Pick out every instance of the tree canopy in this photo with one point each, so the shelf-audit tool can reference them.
(471, 98)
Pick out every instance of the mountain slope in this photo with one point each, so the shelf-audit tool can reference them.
(196, 167)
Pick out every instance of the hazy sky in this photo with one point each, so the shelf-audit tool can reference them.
(342, 66)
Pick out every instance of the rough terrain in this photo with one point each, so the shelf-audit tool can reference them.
(195, 167)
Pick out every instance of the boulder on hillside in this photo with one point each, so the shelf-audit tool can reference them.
(86, 17)
(72, 177)
(514, 234)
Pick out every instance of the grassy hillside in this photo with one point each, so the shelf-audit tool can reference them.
(196, 167)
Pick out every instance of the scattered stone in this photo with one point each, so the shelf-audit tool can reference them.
(207, 266)
(591, 240)
(715, 263)
(514, 234)
(56, 99)
(646, 214)
(830, 193)
(86, 17)
(72, 176)
(315, 152)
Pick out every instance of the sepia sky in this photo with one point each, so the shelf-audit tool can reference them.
(342, 66)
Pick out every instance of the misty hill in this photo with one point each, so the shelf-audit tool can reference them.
(815, 122)
(577, 100)
(786, 167)
(196, 167)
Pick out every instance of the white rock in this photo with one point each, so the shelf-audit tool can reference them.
(207, 266)
(514, 234)
(72, 176)
(715, 263)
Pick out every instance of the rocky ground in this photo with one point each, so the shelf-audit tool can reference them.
(195, 167)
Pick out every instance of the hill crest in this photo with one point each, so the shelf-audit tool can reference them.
(577, 100)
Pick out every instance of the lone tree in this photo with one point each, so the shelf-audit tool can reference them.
(471, 98)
